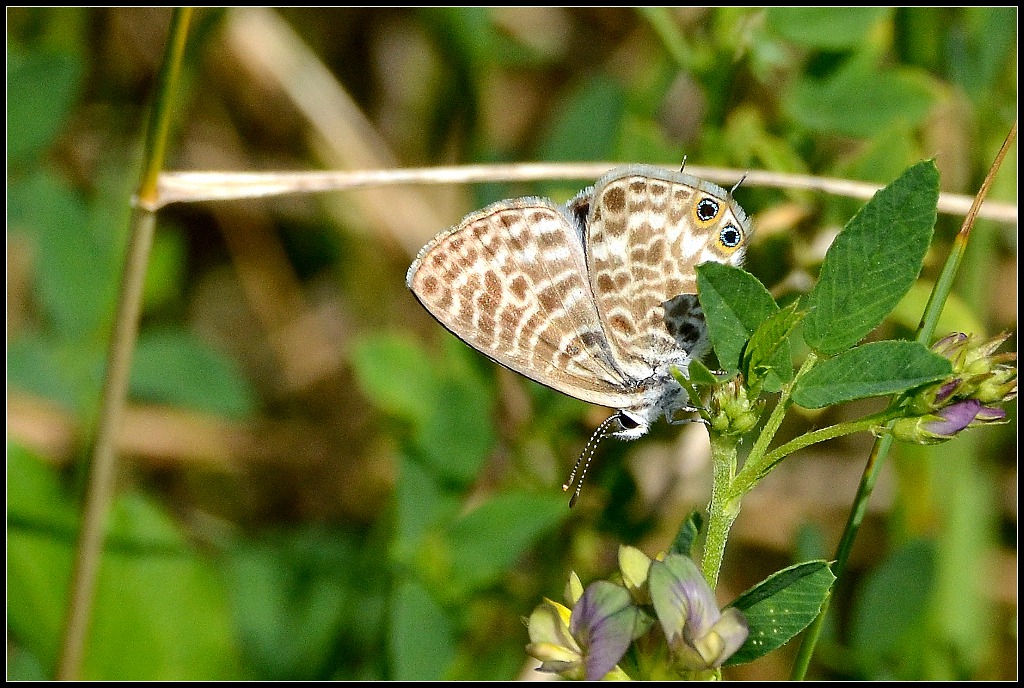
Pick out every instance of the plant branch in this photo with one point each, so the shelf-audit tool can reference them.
(99, 489)
(926, 330)
(752, 467)
(724, 508)
(823, 434)
(175, 187)
(937, 299)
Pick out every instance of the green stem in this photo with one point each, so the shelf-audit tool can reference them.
(943, 286)
(925, 333)
(729, 488)
(99, 489)
(725, 505)
(866, 424)
(838, 566)
(753, 468)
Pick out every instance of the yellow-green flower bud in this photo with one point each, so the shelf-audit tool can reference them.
(634, 565)
(732, 413)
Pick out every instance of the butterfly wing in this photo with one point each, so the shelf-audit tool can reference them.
(510, 280)
(647, 230)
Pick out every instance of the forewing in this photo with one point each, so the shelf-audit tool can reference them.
(510, 280)
(648, 229)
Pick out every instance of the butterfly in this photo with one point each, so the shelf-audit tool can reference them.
(595, 298)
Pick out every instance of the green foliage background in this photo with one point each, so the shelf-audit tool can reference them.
(316, 480)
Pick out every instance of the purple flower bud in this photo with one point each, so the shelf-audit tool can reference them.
(952, 346)
(945, 423)
(700, 636)
(989, 414)
(946, 391)
(604, 622)
(952, 419)
(933, 396)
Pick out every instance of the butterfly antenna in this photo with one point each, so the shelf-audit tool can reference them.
(683, 165)
(586, 456)
(733, 189)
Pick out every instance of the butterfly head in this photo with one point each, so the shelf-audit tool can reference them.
(632, 423)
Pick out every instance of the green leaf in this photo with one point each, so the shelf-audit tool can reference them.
(41, 88)
(873, 262)
(34, 496)
(766, 357)
(422, 502)
(396, 375)
(735, 304)
(64, 372)
(870, 370)
(666, 26)
(860, 100)
(485, 543)
(423, 640)
(687, 535)
(748, 137)
(151, 586)
(642, 138)
(176, 368)
(880, 159)
(145, 599)
(448, 404)
(457, 435)
(306, 577)
(40, 536)
(982, 49)
(76, 262)
(596, 107)
(473, 33)
(781, 606)
(699, 375)
(826, 28)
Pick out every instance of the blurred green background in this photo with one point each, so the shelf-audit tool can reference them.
(316, 480)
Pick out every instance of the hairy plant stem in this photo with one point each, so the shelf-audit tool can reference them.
(870, 423)
(725, 504)
(755, 466)
(729, 487)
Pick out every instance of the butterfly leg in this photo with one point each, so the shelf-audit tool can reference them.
(683, 420)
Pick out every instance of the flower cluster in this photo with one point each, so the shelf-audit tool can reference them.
(730, 408)
(588, 639)
(981, 379)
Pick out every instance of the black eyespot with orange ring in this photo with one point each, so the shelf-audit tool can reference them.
(707, 210)
(730, 236)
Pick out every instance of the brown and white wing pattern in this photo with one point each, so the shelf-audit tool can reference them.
(647, 229)
(511, 281)
(597, 298)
